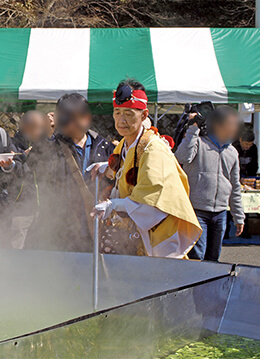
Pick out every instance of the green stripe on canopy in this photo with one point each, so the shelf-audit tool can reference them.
(238, 56)
(113, 54)
(14, 46)
(225, 67)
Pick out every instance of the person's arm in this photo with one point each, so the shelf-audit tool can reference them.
(235, 201)
(144, 216)
(187, 150)
(8, 165)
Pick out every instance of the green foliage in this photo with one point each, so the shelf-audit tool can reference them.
(219, 346)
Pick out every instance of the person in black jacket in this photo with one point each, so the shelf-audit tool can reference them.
(248, 160)
(9, 169)
(247, 152)
(7, 164)
(61, 222)
(33, 126)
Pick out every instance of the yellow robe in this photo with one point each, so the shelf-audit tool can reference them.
(163, 184)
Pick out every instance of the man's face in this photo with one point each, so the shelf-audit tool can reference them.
(227, 132)
(245, 144)
(35, 128)
(128, 121)
(79, 124)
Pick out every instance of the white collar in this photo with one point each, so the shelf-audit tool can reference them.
(124, 152)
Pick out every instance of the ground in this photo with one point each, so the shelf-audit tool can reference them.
(242, 254)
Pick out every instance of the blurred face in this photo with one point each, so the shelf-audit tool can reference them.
(78, 125)
(128, 121)
(227, 131)
(33, 129)
(245, 144)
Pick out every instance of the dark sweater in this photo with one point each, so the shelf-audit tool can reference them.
(248, 160)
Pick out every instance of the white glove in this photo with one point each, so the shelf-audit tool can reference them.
(102, 168)
(117, 204)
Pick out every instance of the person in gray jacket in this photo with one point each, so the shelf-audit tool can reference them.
(212, 166)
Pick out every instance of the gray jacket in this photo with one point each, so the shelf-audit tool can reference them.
(213, 174)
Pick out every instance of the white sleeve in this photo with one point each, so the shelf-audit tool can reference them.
(144, 216)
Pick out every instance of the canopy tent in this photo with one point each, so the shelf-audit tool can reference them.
(175, 64)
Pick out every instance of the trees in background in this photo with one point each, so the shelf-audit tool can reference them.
(126, 13)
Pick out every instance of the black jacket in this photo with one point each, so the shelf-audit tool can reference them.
(22, 194)
(21, 144)
(248, 160)
(61, 223)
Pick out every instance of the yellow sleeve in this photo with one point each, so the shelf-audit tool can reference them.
(162, 183)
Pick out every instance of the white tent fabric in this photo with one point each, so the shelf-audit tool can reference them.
(174, 64)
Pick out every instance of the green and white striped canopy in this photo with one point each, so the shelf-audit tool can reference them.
(175, 64)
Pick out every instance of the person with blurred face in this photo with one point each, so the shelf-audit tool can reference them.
(73, 119)
(151, 190)
(62, 222)
(212, 166)
(248, 160)
(32, 128)
(9, 167)
(8, 170)
(247, 151)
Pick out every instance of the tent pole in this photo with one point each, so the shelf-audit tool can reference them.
(169, 109)
(155, 119)
(257, 114)
(95, 254)
(257, 13)
(257, 134)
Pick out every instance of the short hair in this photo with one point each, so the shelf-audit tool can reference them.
(219, 115)
(248, 136)
(27, 116)
(133, 83)
(73, 103)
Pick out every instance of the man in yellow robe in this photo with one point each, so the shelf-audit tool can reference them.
(150, 186)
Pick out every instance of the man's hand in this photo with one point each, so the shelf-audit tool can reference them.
(102, 210)
(95, 213)
(95, 171)
(105, 209)
(191, 117)
(50, 116)
(28, 151)
(7, 164)
(240, 228)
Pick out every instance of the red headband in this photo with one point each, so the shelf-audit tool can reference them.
(138, 100)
